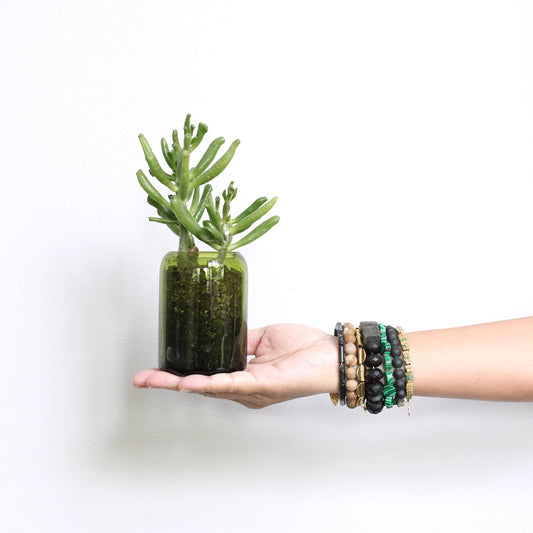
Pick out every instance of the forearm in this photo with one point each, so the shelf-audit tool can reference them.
(488, 361)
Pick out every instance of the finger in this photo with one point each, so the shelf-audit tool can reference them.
(159, 379)
(139, 380)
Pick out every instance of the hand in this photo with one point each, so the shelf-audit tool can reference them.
(290, 361)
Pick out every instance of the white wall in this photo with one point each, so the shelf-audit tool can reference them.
(398, 138)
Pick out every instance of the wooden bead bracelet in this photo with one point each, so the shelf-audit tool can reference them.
(350, 361)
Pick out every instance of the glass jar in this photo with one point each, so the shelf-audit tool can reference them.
(202, 313)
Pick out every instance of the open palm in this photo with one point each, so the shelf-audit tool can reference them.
(290, 361)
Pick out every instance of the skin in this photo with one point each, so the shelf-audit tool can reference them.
(487, 362)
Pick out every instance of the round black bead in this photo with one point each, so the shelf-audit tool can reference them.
(401, 394)
(400, 384)
(397, 362)
(373, 375)
(374, 408)
(373, 387)
(372, 347)
(398, 373)
(395, 351)
(374, 398)
(373, 360)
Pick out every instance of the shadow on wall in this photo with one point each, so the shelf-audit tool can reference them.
(112, 302)
(135, 433)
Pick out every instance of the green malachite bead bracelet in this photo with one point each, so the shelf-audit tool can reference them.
(389, 391)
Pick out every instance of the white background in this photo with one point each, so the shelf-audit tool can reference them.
(398, 137)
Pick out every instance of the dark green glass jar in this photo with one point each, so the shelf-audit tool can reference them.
(202, 313)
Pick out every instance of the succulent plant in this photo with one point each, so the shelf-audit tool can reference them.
(190, 210)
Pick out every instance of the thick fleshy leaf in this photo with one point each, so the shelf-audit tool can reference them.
(155, 168)
(200, 133)
(252, 218)
(218, 166)
(208, 157)
(255, 233)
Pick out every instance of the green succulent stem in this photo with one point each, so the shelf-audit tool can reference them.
(184, 239)
(190, 210)
(184, 177)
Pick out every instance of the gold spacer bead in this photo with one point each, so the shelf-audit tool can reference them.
(361, 355)
(358, 337)
(410, 391)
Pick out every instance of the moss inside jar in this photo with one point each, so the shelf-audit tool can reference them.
(203, 295)
(202, 313)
